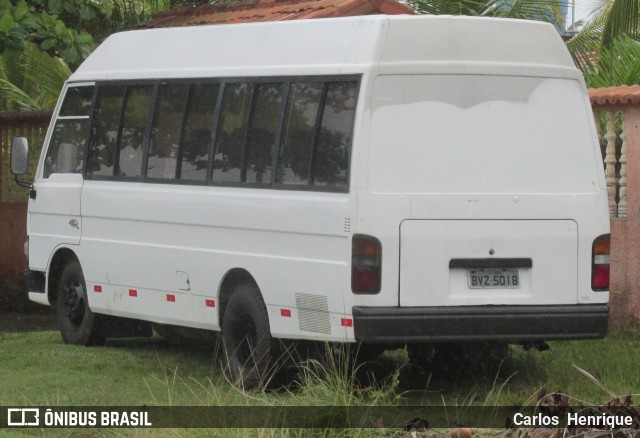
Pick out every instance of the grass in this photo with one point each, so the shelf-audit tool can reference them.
(613, 361)
(37, 369)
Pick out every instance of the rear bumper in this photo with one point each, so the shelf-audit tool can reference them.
(483, 323)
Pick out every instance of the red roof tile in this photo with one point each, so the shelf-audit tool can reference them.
(273, 11)
(622, 95)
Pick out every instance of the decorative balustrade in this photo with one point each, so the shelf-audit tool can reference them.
(617, 116)
(615, 110)
(610, 126)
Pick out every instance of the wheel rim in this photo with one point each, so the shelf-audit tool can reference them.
(74, 297)
(245, 336)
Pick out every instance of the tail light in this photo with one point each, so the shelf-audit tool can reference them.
(366, 264)
(600, 263)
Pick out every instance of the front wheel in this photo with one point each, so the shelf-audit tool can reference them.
(78, 324)
(250, 350)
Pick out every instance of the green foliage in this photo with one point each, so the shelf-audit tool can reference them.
(30, 80)
(128, 13)
(125, 14)
(615, 65)
(40, 38)
(603, 37)
(541, 10)
(67, 28)
(57, 27)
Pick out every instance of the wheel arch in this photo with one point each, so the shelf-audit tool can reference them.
(60, 258)
(231, 280)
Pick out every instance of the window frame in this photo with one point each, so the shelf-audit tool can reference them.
(147, 139)
(253, 83)
(89, 117)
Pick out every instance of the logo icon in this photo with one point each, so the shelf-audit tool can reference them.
(23, 417)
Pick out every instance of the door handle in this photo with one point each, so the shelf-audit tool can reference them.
(74, 223)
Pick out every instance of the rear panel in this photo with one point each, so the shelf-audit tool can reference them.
(475, 167)
(488, 262)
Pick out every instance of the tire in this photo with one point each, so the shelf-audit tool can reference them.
(78, 324)
(251, 352)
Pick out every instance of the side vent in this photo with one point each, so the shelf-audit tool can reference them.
(313, 313)
(347, 224)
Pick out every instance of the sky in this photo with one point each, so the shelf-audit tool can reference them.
(582, 9)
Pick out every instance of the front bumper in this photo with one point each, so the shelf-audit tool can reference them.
(480, 323)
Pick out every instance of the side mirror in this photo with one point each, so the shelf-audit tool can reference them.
(19, 155)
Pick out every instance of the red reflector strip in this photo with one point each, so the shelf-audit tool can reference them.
(171, 298)
(346, 322)
(133, 293)
(285, 312)
(210, 303)
(97, 288)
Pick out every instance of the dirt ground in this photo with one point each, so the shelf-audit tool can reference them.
(18, 314)
(24, 322)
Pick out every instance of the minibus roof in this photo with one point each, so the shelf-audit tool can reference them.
(394, 44)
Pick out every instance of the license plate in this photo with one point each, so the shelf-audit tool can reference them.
(494, 278)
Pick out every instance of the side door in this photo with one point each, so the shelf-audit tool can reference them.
(54, 207)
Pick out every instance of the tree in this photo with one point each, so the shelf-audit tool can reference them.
(39, 38)
(67, 28)
(541, 10)
(616, 65)
(606, 49)
(57, 27)
(31, 80)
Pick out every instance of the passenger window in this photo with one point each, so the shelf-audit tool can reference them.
(66, 149)
(104, 131)
(134, 123)
(309, 135)
(334, 142)
(298, 132)
(236, 102)
(165, 131)
(77, 101)
(262, 133)
(196, 137)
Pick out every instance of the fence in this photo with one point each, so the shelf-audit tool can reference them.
(617, 116)
(13, 206)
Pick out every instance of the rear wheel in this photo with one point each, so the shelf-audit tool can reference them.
(250, 349)
(78, 324)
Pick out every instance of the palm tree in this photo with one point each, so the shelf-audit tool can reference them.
(542, 10)
(31, 80)
(606, 49)
(615, 65)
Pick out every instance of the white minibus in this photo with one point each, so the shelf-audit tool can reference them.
(381, 180)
